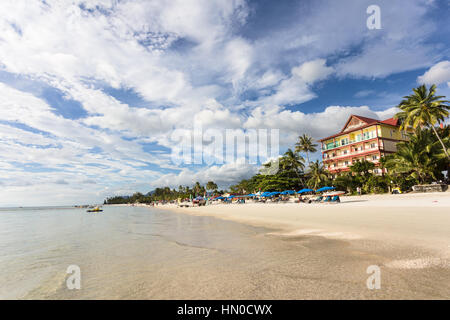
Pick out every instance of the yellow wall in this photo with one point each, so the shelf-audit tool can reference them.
(385, 132)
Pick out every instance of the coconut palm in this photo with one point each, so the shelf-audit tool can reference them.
(305, 144)
(424, 109)
(362, 167)
(211, 185)
(417, 158)
(317, 175)
(292, 161)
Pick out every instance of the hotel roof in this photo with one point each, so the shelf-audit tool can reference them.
(368, 122)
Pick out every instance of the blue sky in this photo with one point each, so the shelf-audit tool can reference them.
(93, 90)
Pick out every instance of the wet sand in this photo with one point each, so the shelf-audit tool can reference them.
(407, 236)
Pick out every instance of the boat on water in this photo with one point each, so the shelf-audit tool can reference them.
(96, 209)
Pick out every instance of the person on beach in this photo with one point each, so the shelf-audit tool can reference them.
(358, 190)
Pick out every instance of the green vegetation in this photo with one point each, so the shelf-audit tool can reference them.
(424, 109)
(305, 144)
(166, 194)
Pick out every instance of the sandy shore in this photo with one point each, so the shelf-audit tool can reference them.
(419, 220)
(310, 251)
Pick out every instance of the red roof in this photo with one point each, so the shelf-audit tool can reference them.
(391, 121)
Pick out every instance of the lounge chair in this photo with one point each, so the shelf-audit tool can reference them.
(318, 199)
(335, 199)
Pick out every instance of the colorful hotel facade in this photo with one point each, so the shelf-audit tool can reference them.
(361, 138)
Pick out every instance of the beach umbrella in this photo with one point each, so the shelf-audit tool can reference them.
(251, 195)
(274, 193)
(325, 189)
(288, 192)
(305, 190)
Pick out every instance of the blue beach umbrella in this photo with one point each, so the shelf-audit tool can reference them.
(288, 192)
(325, 189)
(305, 190)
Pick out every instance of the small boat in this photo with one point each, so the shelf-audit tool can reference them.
(96, 209)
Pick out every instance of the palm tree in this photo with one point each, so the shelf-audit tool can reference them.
(362, 167)
(292, 161)
(417, 158)
(211, 185)
(424, 109)
(198, 188)
(317, 174)
(305, 144)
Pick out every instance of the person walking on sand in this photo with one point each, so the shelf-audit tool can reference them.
(358, 190)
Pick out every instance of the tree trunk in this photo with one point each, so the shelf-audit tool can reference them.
(307, 158)
(442, 143)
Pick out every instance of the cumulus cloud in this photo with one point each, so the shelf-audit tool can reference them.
(223, 175)
(437, 74)
(297, 88)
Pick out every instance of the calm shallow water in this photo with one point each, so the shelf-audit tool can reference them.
(145, 253)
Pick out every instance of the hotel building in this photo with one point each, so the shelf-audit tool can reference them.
(361, 138)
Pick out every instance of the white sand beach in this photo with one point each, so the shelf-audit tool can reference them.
(330, 246)
(421, 220)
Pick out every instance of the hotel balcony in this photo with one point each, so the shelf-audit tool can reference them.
(349, 153)
(337, 144)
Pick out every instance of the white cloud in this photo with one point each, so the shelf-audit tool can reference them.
(297, 88)
(223, 175)
(313, 71)
(437, 74)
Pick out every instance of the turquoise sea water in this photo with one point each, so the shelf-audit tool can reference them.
(124, 252)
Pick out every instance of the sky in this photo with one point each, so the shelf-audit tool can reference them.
(91, 92)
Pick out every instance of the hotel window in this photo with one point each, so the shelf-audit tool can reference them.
(344, 142)
(372, 145)
(358, 137)
(346, 163)
(345, 151)
(374, 157)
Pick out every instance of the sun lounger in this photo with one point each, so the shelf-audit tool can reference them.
(318, 199)
(335, 199)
